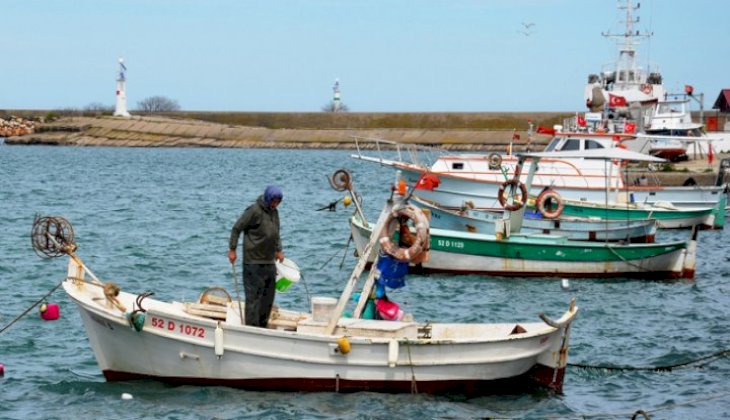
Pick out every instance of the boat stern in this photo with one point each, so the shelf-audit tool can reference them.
(549, 371)
(690, 257)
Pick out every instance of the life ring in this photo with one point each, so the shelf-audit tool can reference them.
(647, 88)
(544, 201)
(516, 204)
(495, 161)
(420, 243)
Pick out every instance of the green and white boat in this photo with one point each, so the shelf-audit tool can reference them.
(667, 215)
(575, 228)
(540, 255)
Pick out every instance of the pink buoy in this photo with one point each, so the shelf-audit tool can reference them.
(2, 370)
(50, 311)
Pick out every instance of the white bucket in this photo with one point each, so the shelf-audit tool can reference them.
(322, 308)
(287, 273)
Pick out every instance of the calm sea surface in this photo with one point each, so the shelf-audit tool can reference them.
(159, 219)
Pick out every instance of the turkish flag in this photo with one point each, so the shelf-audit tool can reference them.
(615, 100)
(581, 121)
(629, 127)
(428, 181)
(544, 130)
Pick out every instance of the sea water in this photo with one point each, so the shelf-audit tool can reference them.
(159, 220)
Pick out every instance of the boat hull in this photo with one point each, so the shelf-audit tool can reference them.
(527, 382)
(385, 356)
(546, 256)
(584, 229)
(679, 218)
(454, 190)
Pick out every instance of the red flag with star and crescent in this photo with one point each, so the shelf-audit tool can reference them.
(616, 100)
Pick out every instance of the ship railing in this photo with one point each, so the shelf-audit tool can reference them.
(414, 154)
(605, 126)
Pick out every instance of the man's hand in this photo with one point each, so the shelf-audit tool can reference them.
(232, 255)
(280, 256)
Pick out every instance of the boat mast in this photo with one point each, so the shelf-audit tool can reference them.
(628, 73)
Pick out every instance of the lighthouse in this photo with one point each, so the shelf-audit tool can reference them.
(336, 96)
(121, 108)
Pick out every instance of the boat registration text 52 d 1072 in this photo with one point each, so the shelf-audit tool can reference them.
(177, 327)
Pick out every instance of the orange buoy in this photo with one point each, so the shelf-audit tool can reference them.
(402, 187)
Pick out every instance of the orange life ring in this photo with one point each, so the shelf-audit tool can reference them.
(419, 245)
(516, 204)
(647, 88)
(544, 204)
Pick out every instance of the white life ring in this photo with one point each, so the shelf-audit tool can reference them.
(516, 204)
(495, 161)
(543, 204)
(419, 245)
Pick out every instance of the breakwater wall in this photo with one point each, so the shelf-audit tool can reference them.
(16, 126)
(306, 132)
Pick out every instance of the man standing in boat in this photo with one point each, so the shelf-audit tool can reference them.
(261, 248)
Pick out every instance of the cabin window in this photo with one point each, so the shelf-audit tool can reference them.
(571, 144)
(553, 143)
(457, 165)
(592, 144)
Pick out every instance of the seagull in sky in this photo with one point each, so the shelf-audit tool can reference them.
(526, 28)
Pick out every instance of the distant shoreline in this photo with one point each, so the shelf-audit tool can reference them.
(165, 131)
(294, 131)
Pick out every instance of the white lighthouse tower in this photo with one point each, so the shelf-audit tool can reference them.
(121, 108)
(336, 96)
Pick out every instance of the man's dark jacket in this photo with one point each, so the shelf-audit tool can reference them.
(260, 227)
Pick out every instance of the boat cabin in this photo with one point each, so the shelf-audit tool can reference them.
(671, 118)
(564, 142)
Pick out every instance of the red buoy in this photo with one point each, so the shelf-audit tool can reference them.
(50, 311)
(2, 370)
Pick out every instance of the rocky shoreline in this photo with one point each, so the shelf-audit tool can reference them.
(16, 126)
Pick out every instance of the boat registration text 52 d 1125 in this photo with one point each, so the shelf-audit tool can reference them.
(445, 243)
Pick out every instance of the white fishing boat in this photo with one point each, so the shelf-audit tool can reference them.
(478, 177)
(135, 336)
(623, 88)
(671, 133)
(625, 93)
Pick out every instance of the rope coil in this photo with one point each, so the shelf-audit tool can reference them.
(341, 180)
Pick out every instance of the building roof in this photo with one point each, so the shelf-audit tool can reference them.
(723, 101)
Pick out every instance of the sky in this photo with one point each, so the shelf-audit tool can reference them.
(389, 55)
